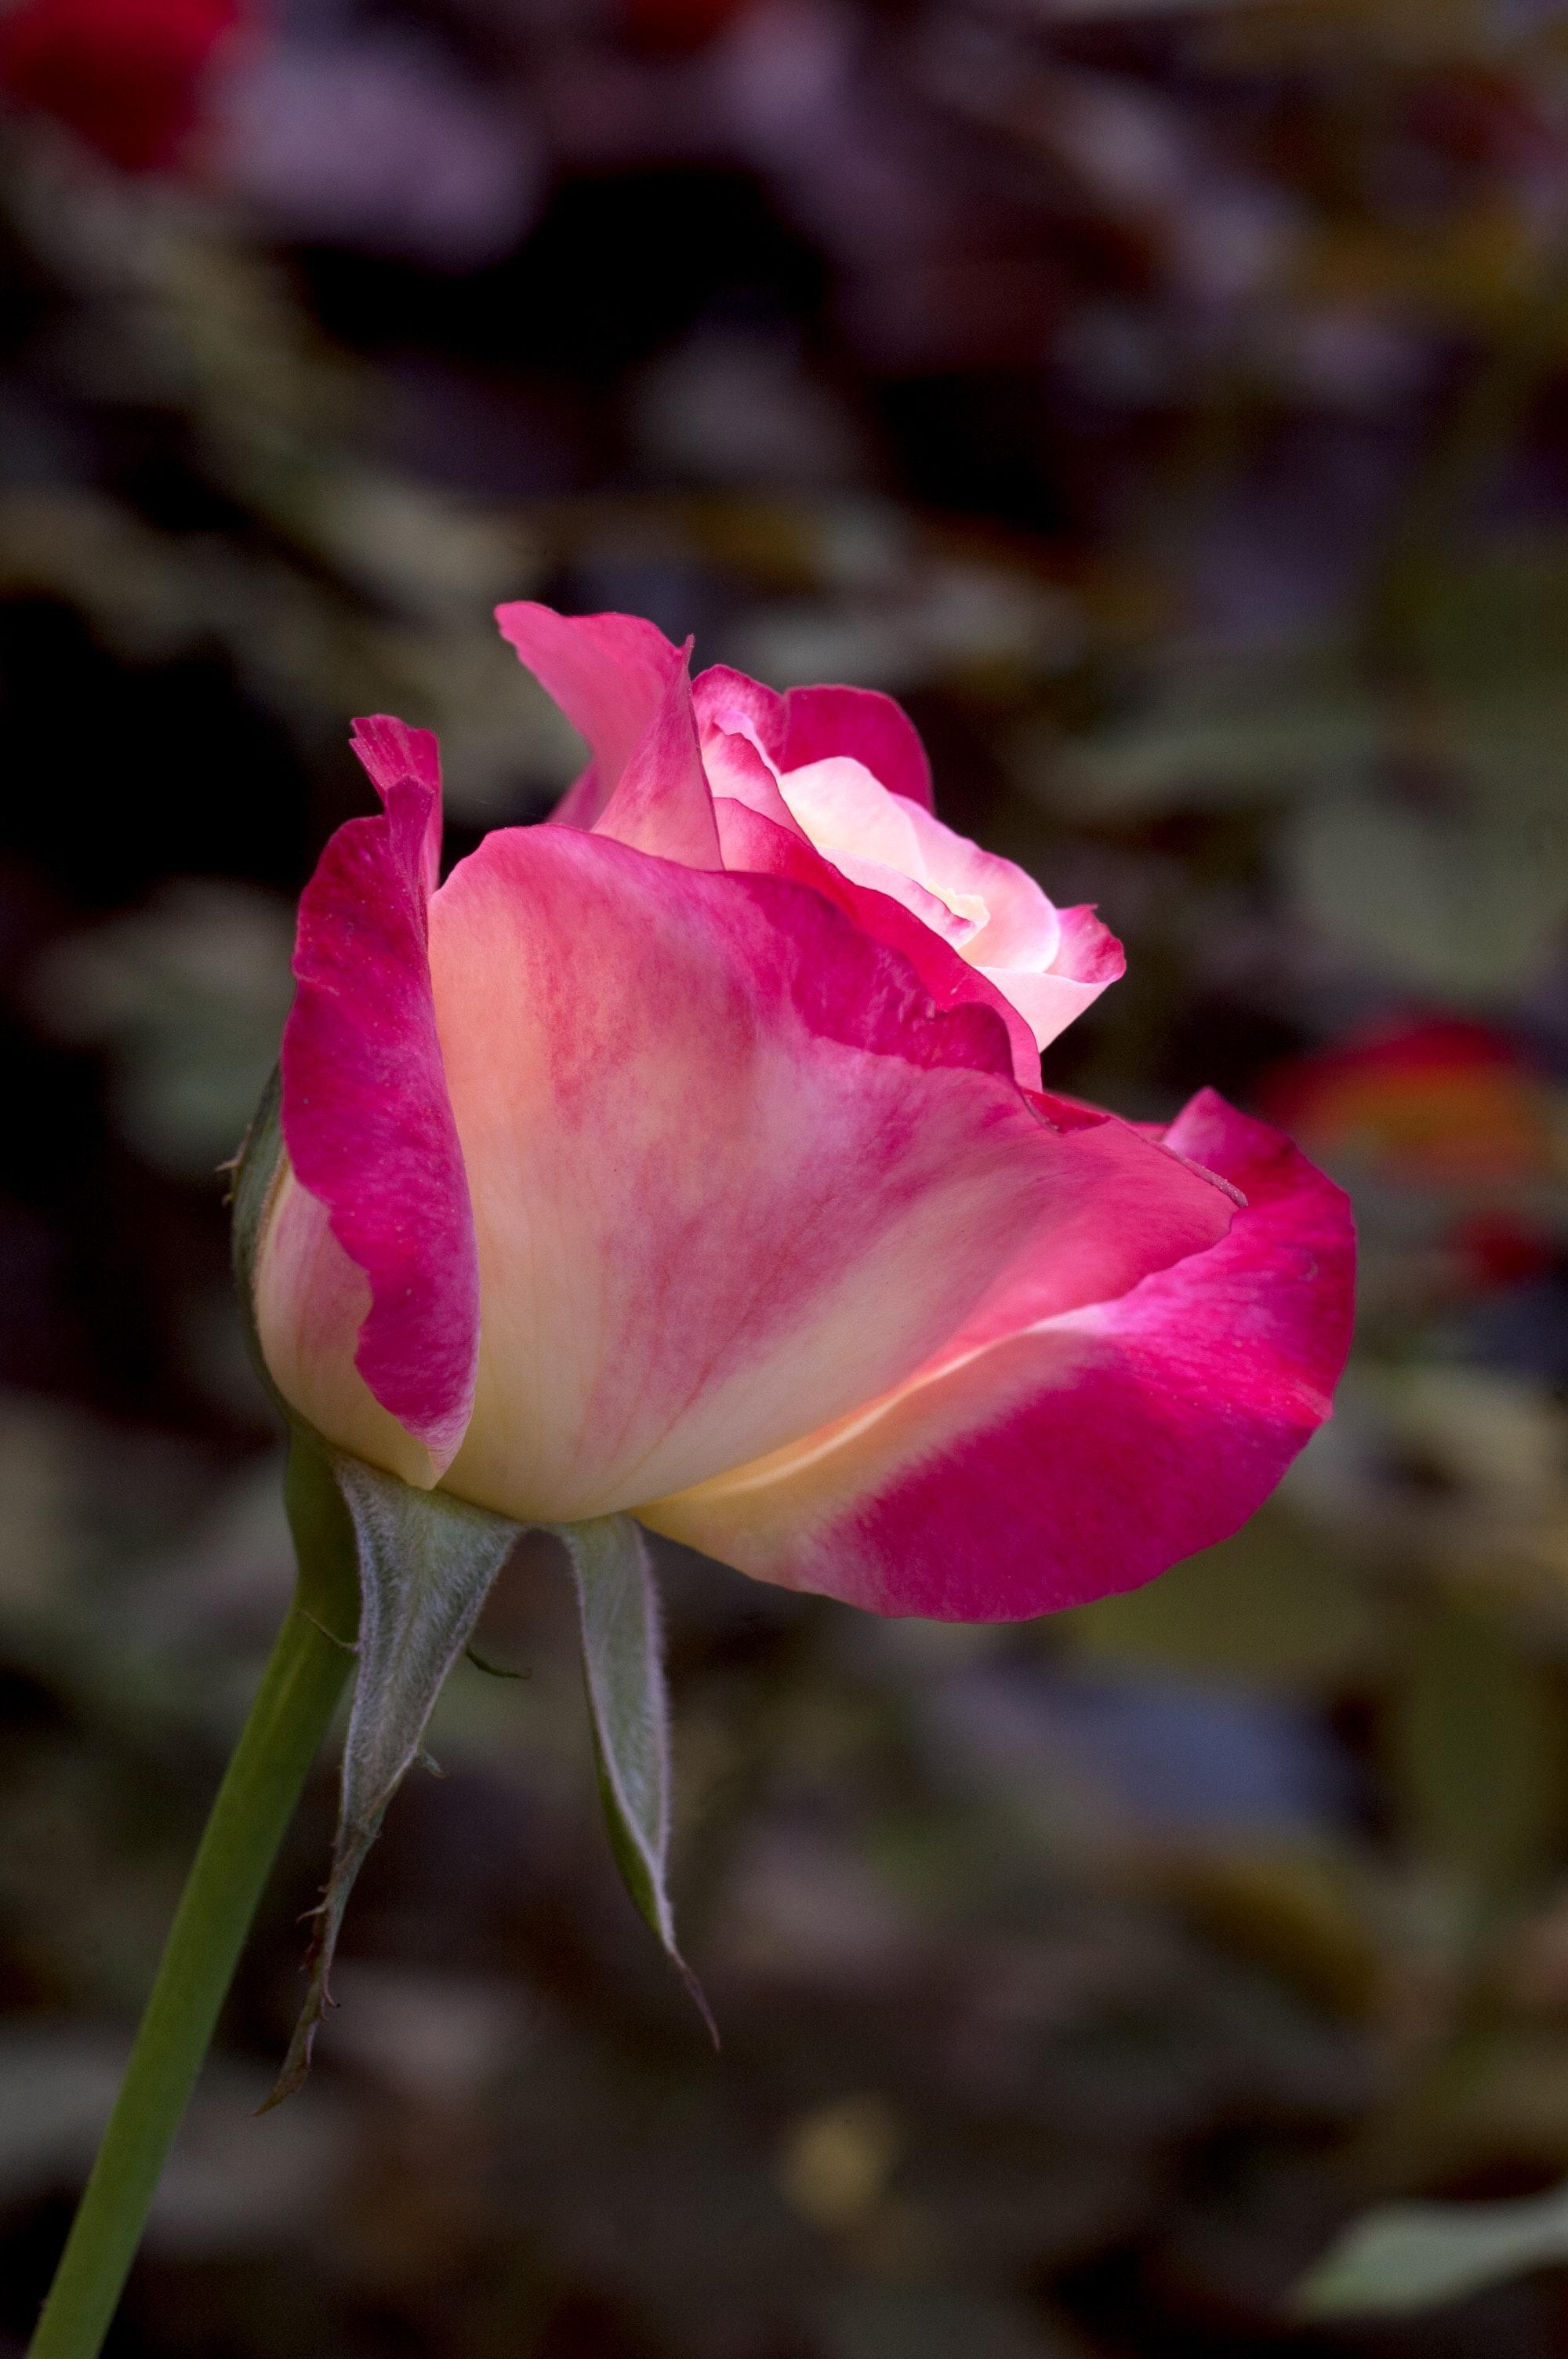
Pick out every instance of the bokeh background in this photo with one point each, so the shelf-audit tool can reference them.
(1168, 400)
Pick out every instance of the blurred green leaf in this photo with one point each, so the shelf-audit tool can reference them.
(189, 994)
(1468, 904)
(875, 2322)
(1219, 735)
(1476, 1751)
(1410, 2256)
(1495, 618)
(1305, 1915)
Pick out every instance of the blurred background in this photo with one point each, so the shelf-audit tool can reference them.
(1168, 400)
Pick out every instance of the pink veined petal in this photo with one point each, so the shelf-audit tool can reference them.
(733, 1172)
(736, 719)
(749, 840)
(583, 802)
(1047, 1002)
(312, 1302)
(663, 803)
(956, 927)
(812, 724)
(865, 724)
(608, 673)
(1082, 1455)
(1051, 964)
(368, 1127)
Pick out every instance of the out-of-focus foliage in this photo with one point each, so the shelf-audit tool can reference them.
(1168, 401)
(1412, 2256)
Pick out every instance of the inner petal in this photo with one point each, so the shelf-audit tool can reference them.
(845, 810)
(934, 908)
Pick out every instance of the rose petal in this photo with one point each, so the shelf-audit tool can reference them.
(732, 1173)
(608, 673)
(1088, 957)
(1130, 1224)
(844, 809)
(1049, 966)
(812, 724)
(312, 1302)
(663, 803)
(1021, 928)
(865, 724)
(738, 767)
(369, 1132)
(750, 841)
(1077, 1457)
(1088, 952)
(389, 751)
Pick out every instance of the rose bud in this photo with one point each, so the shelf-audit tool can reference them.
(687, 1155)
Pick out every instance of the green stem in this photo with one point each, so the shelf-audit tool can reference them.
(291, 1714)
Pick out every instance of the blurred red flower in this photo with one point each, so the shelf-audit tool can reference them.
(1438, 1099)
(126, 75)
(675, 24)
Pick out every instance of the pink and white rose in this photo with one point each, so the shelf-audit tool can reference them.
(687, 1155)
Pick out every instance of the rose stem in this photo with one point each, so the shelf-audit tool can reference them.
(293, 1708)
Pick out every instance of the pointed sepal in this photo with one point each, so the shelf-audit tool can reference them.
(427, 1562)
(256, 1170)
(623, 1671)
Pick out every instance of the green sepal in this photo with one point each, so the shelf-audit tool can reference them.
(426, 1562)
(256, 1169)
(623, 1671)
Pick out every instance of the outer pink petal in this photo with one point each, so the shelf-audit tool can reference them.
(608, 673)
(663, 803)
(809, 724)
(1128, 1226)
(311, 1301)
(367, 1123)
(749, 840)
(1081, 1456)
(733, 1172)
